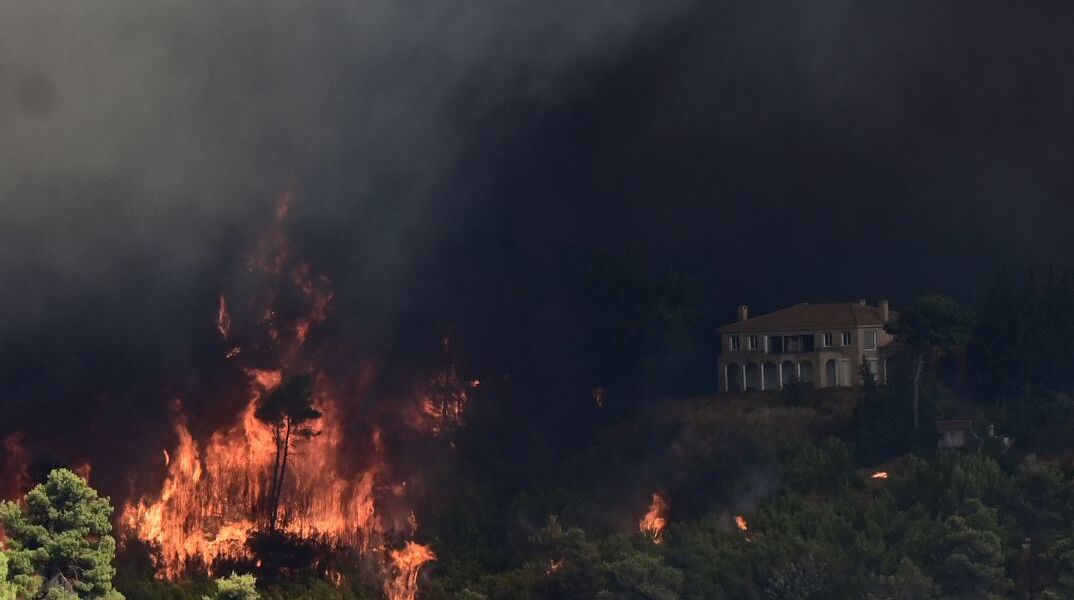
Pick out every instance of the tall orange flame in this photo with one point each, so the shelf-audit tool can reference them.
(654, 521)
(213, 495)
(406, 566)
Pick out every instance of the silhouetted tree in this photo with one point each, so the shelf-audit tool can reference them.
(933, 321)
(288, 410)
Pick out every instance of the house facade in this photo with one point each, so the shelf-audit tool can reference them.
(822, 344)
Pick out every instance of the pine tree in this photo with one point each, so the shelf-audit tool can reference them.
(7, 589)
(235, 587)
(59, 541)
(933, 321)
(288, 410)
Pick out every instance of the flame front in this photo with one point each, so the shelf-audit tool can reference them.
(213, 497)
(654, 521)
(207, 507)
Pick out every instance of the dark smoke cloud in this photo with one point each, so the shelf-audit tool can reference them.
(144, 147)
(447, 157)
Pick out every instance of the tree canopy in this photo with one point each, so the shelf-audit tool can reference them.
(235, 587)
(59, 541)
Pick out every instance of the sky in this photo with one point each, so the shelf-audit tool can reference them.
(449, 159)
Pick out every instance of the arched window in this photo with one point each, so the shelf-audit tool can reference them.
(789, 372)
(753, 377)
(771, 376)
(831, 373)
(733, 377)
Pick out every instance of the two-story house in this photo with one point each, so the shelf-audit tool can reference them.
(823, 344)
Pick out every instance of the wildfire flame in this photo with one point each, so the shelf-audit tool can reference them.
(406, 566)
(879, 475)
(213, 496)
(444, 398)
(553, 566)
(598, 396)
(223, 318)
(654, 521)
(741, 523)
(14, 468)
(207, 507)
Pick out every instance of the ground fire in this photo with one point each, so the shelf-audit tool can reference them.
(654, 521)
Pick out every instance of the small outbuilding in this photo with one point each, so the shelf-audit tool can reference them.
(956, 434)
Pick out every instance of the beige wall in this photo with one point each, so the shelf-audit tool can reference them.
(847, 374)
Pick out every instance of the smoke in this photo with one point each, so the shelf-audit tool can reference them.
(145, 146)
(130, 131)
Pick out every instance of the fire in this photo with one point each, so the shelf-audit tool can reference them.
(406, 565)
(654, 521)
(14, 468)
(444, 398)
(598, 396)
(223, 318)
(554, 566)
(879, 475)
(741, 523)
(214, 493)
(207, 507)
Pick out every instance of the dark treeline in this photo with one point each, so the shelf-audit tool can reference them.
(840, 495)
(1022, 339)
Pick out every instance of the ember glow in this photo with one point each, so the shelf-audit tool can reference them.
(444, 399)
(223, 318)
(14, 467)
(654, 521)
(214, 495)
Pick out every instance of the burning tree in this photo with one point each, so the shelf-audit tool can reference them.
(288, 410)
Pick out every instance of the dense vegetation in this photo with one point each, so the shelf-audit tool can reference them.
(991, 521)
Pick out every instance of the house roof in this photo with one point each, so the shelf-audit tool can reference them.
(811, 316)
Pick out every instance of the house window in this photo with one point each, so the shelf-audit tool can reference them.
(826, 340)
(874, 366)
(846, 338)
(751, 342)
(775, 344)
(733, 343)
(870, 340)
(798, 343)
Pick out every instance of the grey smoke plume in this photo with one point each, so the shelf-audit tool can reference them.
(139, 139)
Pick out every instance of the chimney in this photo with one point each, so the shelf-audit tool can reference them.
(885, 314)
(743, 312)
